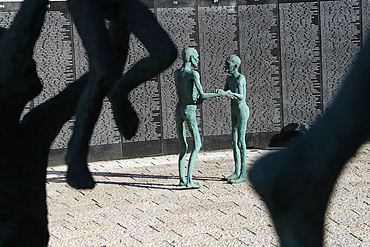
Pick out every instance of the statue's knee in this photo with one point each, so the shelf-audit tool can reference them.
(241, 145)
(183, 149)
(197, 146)
(234, 144)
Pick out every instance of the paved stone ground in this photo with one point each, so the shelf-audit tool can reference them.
(137, 202)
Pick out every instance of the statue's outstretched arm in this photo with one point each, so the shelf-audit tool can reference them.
(202, 94)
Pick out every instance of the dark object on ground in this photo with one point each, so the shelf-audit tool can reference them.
(286, 135)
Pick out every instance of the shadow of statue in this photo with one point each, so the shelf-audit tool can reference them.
(286, 135)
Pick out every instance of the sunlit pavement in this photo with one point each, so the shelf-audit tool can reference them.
(137, 202)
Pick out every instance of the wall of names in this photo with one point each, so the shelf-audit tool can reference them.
(294, 56)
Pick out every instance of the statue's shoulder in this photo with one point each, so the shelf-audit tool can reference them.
(241, 78)
(177, 71)
(195, 73)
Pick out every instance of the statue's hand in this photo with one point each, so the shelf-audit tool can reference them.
(220, 92)
(230, 95)
(199, 100)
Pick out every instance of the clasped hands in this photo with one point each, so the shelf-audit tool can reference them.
(227, 93)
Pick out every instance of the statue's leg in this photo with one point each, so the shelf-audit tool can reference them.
(296, 182)
(16, 46)
(89, 20)
(162, 53)
(234, 145)
(181, 133)
(241, 146)
(197, 144)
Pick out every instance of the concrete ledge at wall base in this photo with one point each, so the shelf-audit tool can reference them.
(164, 147)
(259, 140)
(143, 148)
(96, 153)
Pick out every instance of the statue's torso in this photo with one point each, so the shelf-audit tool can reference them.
(186, 90)
(238, 85)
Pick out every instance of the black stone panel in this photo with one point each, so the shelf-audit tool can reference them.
(170, 146)
(145, 98)
(138, 149)
(105, 152)
(180, 24)
(341, 40)
(300, 62)
(218, 39)
(255, 2)
(294, 55)
(105, 131)
(96, 153)
(164, 4)
(259, 140)
(365, 17)
(258, 38)
(53, 54)
(296, 1)
(80, 60)
(8, 10)
(146, 102)
(216, 142)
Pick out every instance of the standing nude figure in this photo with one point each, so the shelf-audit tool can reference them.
(235, 89)
(190, 93)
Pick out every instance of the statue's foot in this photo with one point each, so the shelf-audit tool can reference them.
(296, 199)
(193, 185)
(237, 180)
(78, 174)
(232, 176)
(126, 119)
(182, 183)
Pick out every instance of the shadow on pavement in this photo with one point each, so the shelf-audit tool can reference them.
(142, 180)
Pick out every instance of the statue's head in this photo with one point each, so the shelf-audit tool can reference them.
(190, 55)
(232, 64)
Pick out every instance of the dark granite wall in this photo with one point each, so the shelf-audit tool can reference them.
(294, 56)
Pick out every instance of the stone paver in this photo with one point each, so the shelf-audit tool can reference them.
(137, 202)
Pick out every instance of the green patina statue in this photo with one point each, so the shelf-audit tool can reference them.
(235, 89)
(190, 93)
